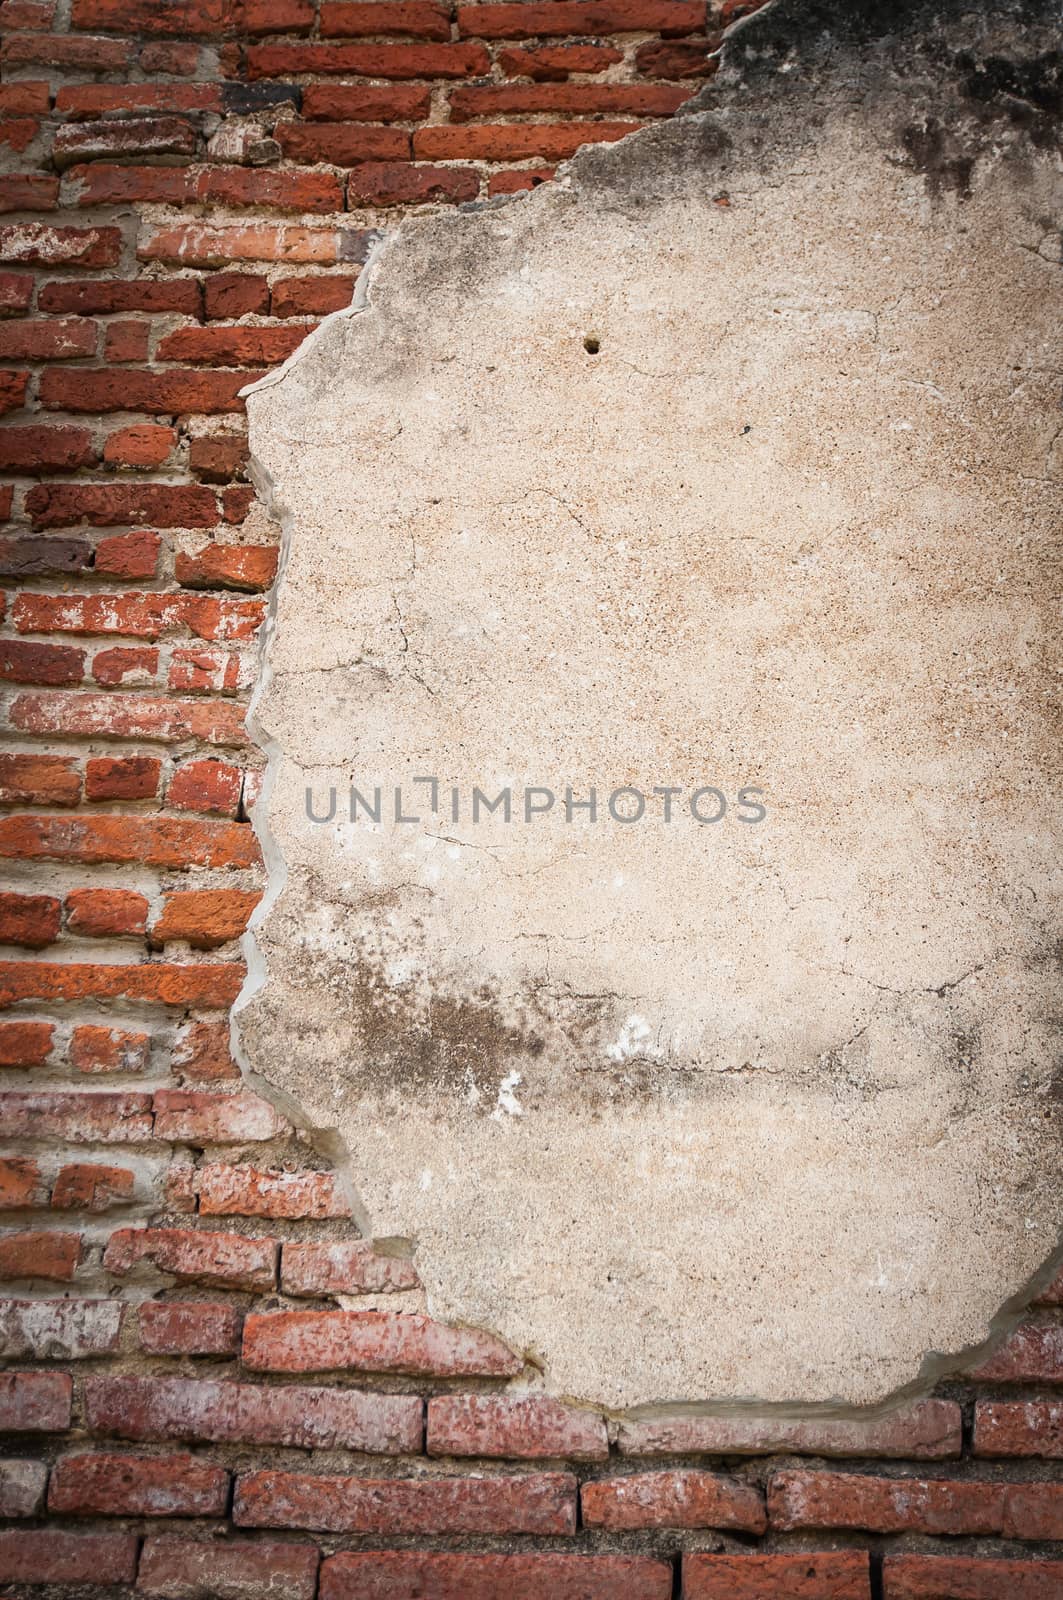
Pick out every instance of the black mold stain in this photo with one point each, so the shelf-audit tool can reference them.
(932, 151)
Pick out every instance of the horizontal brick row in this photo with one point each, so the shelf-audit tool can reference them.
(202, 918)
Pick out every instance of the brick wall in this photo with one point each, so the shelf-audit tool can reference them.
(186, 1409)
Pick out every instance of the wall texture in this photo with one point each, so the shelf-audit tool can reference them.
(199, 1347)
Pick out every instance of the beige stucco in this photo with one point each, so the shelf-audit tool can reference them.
(689, 1112)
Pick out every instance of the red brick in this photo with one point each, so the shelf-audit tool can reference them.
(205, 918)
(553, 62)
(49, 664)
(99, 1485)
(101, 914)
(126, 341)
(31, 920)
(36, 557)
(53, 1556)
(66, 54)
(139, 615)
(135, 663)
(658, 58)
(100, 184)
(415, 19)
(21, 99)
(164, 983)
(347, 1266)
(227, 1259)
(236, 346)
(275, 16)
(536, 18)
(532, 1428)
(250, 567)
(122, 778)
(25, 192)
(218, 457)
(963, 1578)
(66, 1330)
(128, 555)
(185, 505)
(1052, 1293)
(884, 1505)
(1032, 1353)
(543, 1503)
(409, 1575)
(1033, 1511)
(211, 786)
(129, 716)
(94, 1118)
(36, 244)
(40, 1255)
(365, 102)
(38, 449)
(31, 780)
(372, 1341)
(193, 244)
(548, 141)
(20, 1183)
(95, 99)
(18, 133)
(181, 1569)
(89, 1186)
(1019, 1428)
(342, 143)
(28, 14)
(680, 1499)
(16, 293)
(25, 1044)
(22, 1488)
(368, 60)
(12, 391)
(104, 299)
(510, 99)
(236, 501)
(921, 1429)
(208, 671)
(244, 1191)
(190, 1116)
(305, 297)
(60, 340)
(841, 1575)
(183, 1328)
(235, 294)
(35, 1402)
(96, 1049)
(144, 136)
(144, 445)
(160, 393)
(241, 1413)
(201, 1052)
(171, 60)
(400, 184)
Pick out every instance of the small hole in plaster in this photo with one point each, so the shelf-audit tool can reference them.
(592, 344)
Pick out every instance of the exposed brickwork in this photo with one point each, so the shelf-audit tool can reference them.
(187, 187)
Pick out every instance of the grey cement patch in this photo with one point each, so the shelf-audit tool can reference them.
(731, 459)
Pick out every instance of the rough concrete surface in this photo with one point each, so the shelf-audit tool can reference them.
(731, 459)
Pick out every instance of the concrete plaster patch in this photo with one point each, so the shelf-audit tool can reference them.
(731, 461)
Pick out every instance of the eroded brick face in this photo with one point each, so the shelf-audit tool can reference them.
(186, 188)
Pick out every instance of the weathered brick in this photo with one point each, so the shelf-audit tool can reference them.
(181, 1569)
(36, 449)
(221, 456)
(90, 298)
(205, 918)
(36, 244)
(31, 920)
(122, 777)
(98, 1049)
(153, 841)
(58, 1330)
(16, 293)
(160, 393)
(99, 99)
(365, 102)
(538, 18)
(190, 1116)
(543, 1503)
(227, 566)
(118, 1118)
(966, 1578)
(408, 1575)
(343, 144)
(12, 391)
(553, 62)
(208, 671)
(22, 1488)
(399, 183)
(90, 1186)
(1032, 1353)
(368, 60)
(532, 1428)
(58, 505)
(146, 444)
(132, 136)
(195, 245)
(129, 717)
(694, 58)
(21, 1184)
(202, 1052)
(107, 914)
(921, 1430)
(24, 98)
(549, 141)
(40, 1255)
(414, 19)
(35, 557)
(39, 781)
(685, 1498)
(241, 1413)
(25, 1044)
(51, 664)
(64, 53)
(103, 1485)
(244, 1191)
(1033, 1511)
(139, 615)
(35, 1402)
(228, 1260)
(50, 1555)
(511, 99)
(236, 346)
(1019, 1428)
(309, 297)
(344, 1266)
(835, 1575)
(372, 1341)
(185, 1328)
(123, 664)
